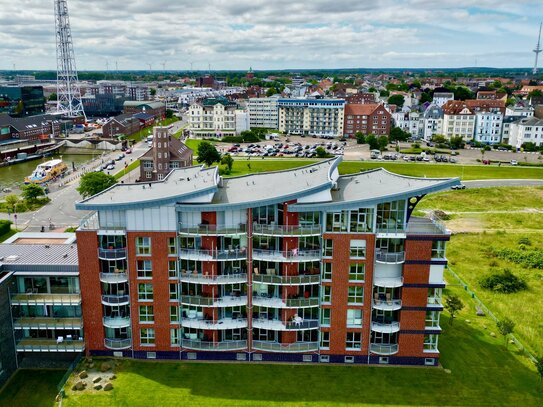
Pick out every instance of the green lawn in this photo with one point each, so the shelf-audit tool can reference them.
(140, 135)
(31, 388)
(7, 235)
(132, 166)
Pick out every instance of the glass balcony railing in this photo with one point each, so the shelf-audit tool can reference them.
(47, 323)
(199, 278)
(114, 278)
(283, 230)
(286, 347)
(385, 327)
(115, 299)
(197, 344)
(279, 325)
(294, 255)
(116, 322)
(112, 254)
(50, 345)
(45, 299)
(287, 280)
(212, 230)
(384, 348)
(117, 344)
(216, 254)
(388, 257)
(223, 323)
(387, 304)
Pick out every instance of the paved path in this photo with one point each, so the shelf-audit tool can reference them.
(503, 183)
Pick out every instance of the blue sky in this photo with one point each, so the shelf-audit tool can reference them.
(275, 34)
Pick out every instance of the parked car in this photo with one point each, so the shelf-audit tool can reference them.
(514, 162)
(461, 186)
(128, 151)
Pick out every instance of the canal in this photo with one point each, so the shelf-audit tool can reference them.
(14, 175)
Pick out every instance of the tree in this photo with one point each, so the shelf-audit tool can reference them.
(539, 367)
(207, 153)
(153, 91)
(11, 201)
(536, 93)
(425, 97)
(457, 142)
(93, 183)
(462, 93)
(169, 113)
(372, 141)
(321, 152)
(505, 327)
(228, 161)
(439, 138)
(382, 142)
(52, 97)
(31, 192)
(397, 100)
(453, 304)
(397, 134)
(360, 138)
(271, 91)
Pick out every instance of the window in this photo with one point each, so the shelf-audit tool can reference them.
(357, 272)
(174, 292)
(356, 294)
(172, 269)
(361, 220)
(325, 340)
(354, 317)
(147, 336)
(434, 296)
(327, 271)
(325, 316)
(429, 361)
(349, 359)
(151, 355)
(328, 248)
(146, 314)
(337, 221)
(438, 249)
(144, 268)
(174, 337)
(172, 245)
(174, 314)
(358, 249)
(326, 293)
(432, 319)
(353, 341)
(383, 360)
(143, 245)
(257, 357)
(430, 343)
(148, 174)
(390, 216)
(324, 358)
(145, 292)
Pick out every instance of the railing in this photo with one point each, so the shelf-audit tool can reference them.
(385, 327)
(279, 325)
(434, 302)
(286, 255)
(286, 347)
(117, 343)
(115, 299)
(387, 257)
(426, 226)
(203, 345)
(116, 322)
(288, 280)
(47, 323)
(195, 277)
(119, 277)
(387, 304)
(49, 345)
(212, 230)
(215, 254)
(302, 302)
(91, 222)
(390, 227)
(384, 349)
(388, 282)
(196, 300)
(224, 323)
(284, 230)
(45, 299)
(112, 254)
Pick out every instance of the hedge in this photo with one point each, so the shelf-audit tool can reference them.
(5, 226)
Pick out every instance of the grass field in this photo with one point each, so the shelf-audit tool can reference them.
(132, 166)
(140, 135)
(7, 235)
(31, 388)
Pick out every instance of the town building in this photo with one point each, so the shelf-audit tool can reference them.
(124, 124)
(301, 265)
(263, 112)
(22, 101)
(166, 154)
(440, 98)
(319, 117)
(367, 119)
(156, 109)
(458, 120)
(431, 122)
(407, 119)
(527, 130)
(40, 302)
(40, 128)
(362, 98)
(212, 118)
(489, 116)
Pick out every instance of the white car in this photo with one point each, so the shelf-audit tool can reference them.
(514, 162)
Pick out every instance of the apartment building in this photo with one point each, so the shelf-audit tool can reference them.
(366, 118)
(440, 98)
(527, 130)
(297, 265)
(431, 122)
(40, 301)
(489, 116)
(212, 118)
(319, 117)
(408, 120)
(263, 112)
(458, 120)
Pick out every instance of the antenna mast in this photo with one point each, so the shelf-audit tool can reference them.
(537, 50)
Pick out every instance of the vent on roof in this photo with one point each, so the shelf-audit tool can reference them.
(65, 255)
(13, 257)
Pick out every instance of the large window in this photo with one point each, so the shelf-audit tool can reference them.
(147, 336)
(327, 271)
(143, 245)
(172, 269)
(432, 319)
(438, 249)
(361, 220)
(146, 314)
(175, 337)
(430, 342)
(174, 314)
(326, 314)
(355, 294)
(309, 218)
(172, 245)
(357, 272)
(337, 221)
(353, 341)
(174, 292)
(358, 249)
(327, 247)
(144, 268)
(264, 215)
(326, 293)
(354, 318)
(145, 292)
(325, 340)
(390, 215)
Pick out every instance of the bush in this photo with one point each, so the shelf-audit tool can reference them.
(527, 258)
(505, 283)
(525, 241)
(5, 226)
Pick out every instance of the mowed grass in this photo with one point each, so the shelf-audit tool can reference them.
(31, 388)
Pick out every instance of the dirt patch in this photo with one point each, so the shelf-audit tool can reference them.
(93, 376)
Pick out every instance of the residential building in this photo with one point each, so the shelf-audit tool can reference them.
(489, 116)
(157, 109)
(138, 92)
(40, 128)
(408, 120)
(440, 98)
(242, 121)
(40, 302)
(319, 117)
(508, 121)
(166, 154)
(22, 101)
(458, 120)
(520, 110)
(431, 122)
(263, 112)
(367, 119)
(527, 130)
(362, 98)
(124, 124)
(300, 265)
(212, 118)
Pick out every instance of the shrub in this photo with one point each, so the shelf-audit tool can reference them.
(525, 241)
(505, 283)
(527, 258)
(5, 226)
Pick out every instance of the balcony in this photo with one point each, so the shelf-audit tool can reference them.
(382, 256)
(47, 323)
(210, 255)
(115, 299)
(112, 254)
(224, 323)
(49, 345)
(114, 278)
(383, 348)
(387, 305)
(45, 299)
(388, 282)
(386, 328)
(426, 226)
(212, 230)
(294, 255)
(117, 344)
(116, 322)
(434, 302)
(287, 280)
(197, 344)
(91, 222)
(199, 278)
(283, 230)
(286, 347)
(302, 302)
(278, 325)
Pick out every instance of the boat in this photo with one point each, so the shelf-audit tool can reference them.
(46, 172)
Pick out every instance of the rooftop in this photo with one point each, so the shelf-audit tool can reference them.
(16, 256)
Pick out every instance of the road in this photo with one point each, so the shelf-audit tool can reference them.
(503, 183)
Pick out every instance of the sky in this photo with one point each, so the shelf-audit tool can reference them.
(274, 34)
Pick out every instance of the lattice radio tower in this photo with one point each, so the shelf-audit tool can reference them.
(68, 93)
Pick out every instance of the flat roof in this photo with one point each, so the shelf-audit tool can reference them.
(41, 238)
(17, 255)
